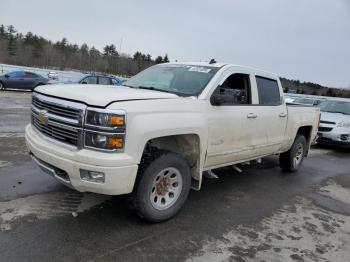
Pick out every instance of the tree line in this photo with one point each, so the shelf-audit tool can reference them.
(36, 51)
(308, 88)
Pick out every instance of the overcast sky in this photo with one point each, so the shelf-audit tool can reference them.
(301, 39)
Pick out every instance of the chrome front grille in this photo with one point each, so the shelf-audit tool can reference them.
(55, 109)
(58, 119)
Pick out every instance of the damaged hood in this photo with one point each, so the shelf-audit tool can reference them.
(99, 95)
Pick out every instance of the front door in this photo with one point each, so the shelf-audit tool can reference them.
(235, 126)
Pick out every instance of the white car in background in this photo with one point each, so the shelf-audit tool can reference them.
(52, 75)
(335, 123)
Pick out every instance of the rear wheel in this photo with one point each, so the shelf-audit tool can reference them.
(291, 160)
(162, 186)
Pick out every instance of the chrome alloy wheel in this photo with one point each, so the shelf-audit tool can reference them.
(166, 188)
(299, 155)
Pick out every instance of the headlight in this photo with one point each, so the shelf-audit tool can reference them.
(104, 141)
(344, 124)
(104, 119)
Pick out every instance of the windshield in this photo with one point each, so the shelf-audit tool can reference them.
(183, 80)
(341, 107)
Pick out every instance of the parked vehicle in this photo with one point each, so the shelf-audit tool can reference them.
(52, 75)
(99, 80)
(155, 137)
(289, 99)
(21, 80)
(308, 101)
(335, 123)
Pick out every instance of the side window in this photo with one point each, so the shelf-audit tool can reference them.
(268, 91)
(103, 81)
(89, 80)
(115, 82)
(31, 75)
(235, 90)
(16, 74)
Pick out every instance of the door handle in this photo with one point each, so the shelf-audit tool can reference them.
(252, 115)
(282, 115)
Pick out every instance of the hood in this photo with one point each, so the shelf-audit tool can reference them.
(334, 117)
(99, 95)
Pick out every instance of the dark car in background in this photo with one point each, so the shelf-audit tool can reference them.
(101, 80)
(21, 80)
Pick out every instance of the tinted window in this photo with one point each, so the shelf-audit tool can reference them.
(104, 80)
(268, 91)
(235, 90)
(89, 80)
(31, 75)
(16, 74)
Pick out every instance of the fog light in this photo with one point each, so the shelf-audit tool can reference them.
(344, 137)
(92, 176)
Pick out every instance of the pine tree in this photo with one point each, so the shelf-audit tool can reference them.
(158, 60)
(12, 45)
(166, 59)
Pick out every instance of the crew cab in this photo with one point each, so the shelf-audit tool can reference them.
(156, 136)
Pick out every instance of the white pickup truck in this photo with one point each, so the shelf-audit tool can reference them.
(154, 137)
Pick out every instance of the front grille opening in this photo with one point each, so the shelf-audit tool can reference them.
(59, 125)
(325, 129)
(58, 172)
(61, 134)
(62, 174)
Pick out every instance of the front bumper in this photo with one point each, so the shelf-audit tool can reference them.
(65, 165)
(332, 138)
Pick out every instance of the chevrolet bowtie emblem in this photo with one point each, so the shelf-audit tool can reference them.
(43, 117)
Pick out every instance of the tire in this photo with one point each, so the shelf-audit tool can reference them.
(291, 160)
(162, 186)
(2, 87)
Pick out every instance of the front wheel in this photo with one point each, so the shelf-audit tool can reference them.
(2, 87)
(162, 186)
(291, 160)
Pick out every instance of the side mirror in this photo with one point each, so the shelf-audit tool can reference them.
(84, 82)
(7, 76)
(217, 99)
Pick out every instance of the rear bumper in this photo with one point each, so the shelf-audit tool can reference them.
(65, 165)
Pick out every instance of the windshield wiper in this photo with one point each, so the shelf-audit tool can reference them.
(153, 88)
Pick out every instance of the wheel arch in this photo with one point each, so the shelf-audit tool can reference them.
(186, 145)
(305, 131)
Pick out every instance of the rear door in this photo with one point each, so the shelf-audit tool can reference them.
(103, 80)
(272, 112)
(89, 80)
(30, 80)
